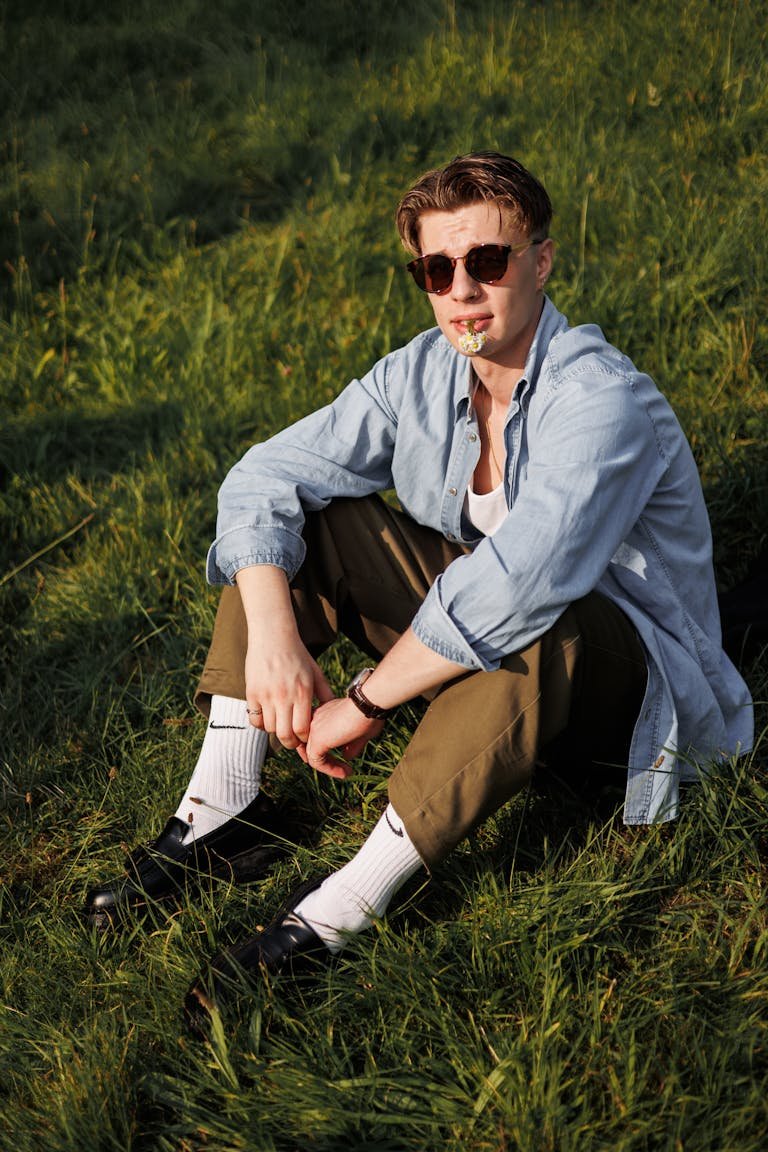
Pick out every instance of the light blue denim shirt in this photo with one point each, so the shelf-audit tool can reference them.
(603, 494)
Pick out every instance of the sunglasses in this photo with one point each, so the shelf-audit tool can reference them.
(486, 263)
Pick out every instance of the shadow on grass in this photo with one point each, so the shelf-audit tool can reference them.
(51, 444)
(744, 614)
(89, 689)
(152, 120)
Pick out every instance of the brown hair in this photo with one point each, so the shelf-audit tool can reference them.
(473, 179)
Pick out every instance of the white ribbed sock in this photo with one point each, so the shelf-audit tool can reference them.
(352, 898)
(227, 775)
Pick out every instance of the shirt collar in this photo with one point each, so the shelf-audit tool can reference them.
(550, 323)
(465, 381)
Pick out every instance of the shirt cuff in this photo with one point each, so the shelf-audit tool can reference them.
(248, 545)
(435, 628)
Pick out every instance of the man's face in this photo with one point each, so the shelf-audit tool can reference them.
(507, 311)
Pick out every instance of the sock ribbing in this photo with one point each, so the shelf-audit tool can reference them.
(227, 775)
(359, 893)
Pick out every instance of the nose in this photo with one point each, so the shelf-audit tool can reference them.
(464, 287)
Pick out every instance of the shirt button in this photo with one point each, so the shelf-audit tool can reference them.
(451, 491)
(472, 437)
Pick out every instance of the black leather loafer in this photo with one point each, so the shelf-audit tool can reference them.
(240, 850)
(288, 946)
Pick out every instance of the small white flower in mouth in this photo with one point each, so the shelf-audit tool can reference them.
(471, 342)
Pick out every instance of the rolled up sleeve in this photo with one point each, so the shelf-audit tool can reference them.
(343, 449)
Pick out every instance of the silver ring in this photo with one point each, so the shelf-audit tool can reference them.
(253, 711)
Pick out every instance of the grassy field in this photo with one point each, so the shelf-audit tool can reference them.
(196, 247)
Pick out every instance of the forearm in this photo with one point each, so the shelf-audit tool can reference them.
(266, 599)
(409, 669)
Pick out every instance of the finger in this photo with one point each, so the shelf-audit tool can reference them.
(324, 760)
(294, 720)
(355, 747)
(330, 766)
(302, 719)
(284, 729)
(268, 718)
(255, 714)
(323, 690)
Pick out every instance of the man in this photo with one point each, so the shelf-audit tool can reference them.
(549, 577)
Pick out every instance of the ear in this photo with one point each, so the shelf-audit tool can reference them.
(545, 258)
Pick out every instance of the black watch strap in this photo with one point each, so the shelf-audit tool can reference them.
(361, 701)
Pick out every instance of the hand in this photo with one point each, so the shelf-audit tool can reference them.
(282, 680)
(337, 724)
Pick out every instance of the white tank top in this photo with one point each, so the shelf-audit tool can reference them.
(486, 510)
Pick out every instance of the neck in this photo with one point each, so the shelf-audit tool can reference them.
(488, 403)
(498, 382)
(501, 376)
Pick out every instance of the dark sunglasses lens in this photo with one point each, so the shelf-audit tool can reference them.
(438, 273)
(420, 272)
(487, 263)
(416, 269)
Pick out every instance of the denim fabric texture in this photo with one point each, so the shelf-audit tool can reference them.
(603, 494)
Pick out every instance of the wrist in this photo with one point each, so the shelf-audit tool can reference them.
(361, 700)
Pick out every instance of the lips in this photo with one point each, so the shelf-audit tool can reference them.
(472, 323)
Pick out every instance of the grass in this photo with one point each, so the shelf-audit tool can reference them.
(197, 247)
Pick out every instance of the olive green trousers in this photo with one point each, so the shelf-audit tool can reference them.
(368, 568)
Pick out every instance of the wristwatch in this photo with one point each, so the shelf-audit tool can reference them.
(358, 698)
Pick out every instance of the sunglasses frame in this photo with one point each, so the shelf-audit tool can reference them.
(418, 266)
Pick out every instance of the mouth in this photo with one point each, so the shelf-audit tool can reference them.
(472, 334)
(472, 324)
